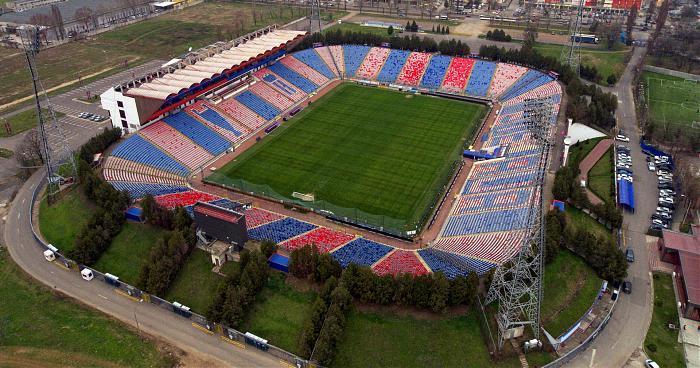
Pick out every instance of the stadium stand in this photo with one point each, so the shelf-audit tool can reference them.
(353, 56)
(531, 80)
(483, 169)
(505, 181)
(138, 190)
(304, 70)
(175, 144)
(360, 251)
(457, 75)
(337, 54)
(438, 262)
(435, 72)
(198, 133)
(480, 78)
(273, 80)
(226, 203)
(400, 261)
(183, 199)
(247, 117)
(256, 217)
(130, 176)
(486, 222)
(138, 149)
(258, 105)
(373, 63)
(118, 164)
(392, 66)
(323, 238)
(277, 99)
(504, 77)
(319, 59)
(293, 77)
(413, 69)
(477, 203)
(280, 230)
(227, 127)
(495, 247)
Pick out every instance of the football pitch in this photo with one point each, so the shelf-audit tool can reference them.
(672, 100)
(374, 155)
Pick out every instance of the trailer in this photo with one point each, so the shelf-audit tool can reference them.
(585, 38)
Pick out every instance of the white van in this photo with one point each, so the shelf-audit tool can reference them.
(49, 255)
(87, 274)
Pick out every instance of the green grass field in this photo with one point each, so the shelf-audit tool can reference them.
(129, 251)
(669, 353)
(195, 285)
(354, 27)
(600, 177)
(607, 62)
(279, 312)
(61, 222)
(23, 121)
(382, 152)
(672, 100)
(570, 287)
(41, 329)
(580, 219)
(580, 150)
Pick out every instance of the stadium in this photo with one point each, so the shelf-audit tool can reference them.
(405, 162)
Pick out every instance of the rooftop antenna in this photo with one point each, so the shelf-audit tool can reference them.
(53, 158)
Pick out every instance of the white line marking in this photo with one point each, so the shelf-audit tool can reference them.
(19, 214)
(592, 358)
(102, 296)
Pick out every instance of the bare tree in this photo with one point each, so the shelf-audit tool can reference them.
(85, 16)
(28, 152)
(57, 20)
(631, 18)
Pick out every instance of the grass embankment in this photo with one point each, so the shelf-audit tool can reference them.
(580, 150)
(607, 62)
(23, 121)
(60, 222)
(601, 176)
(129, 251)
(382, 152)
(661, 343)
(354, 27)
(44, 329)
(195, 285)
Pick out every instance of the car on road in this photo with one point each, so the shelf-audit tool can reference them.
(615, 294)
(650, 364)
(663, 216)
(629, 254)
(654, 227)
(621, 138)
(627, 287)
(664, 209)
(667, 192)
(651, 166)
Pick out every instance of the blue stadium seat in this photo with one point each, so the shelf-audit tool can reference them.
(198, 133)
(293, 77)
(354, 55)
(531, 80)
(215, 118)
(435, 72)
(257, 104)
(453, 265)
(486, 222)
(138, 149)
(311, 58)
(361, 251)
(392, 66)
(280, 230)
(480, 78)
(138, 190)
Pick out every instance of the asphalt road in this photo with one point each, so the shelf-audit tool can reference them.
(153, 320)
(624, 335)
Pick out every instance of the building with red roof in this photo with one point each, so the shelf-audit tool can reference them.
(683, 250)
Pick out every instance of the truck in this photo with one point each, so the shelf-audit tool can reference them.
(585, 38)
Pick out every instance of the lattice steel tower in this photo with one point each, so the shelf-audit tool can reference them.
(314, 16)
(572, 55)
(59, 154)
(517, 284)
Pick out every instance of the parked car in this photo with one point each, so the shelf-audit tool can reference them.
(659, 223)
(627, 287)
(621, 138)
(654, 227)
(629, 254)
(662, 216)
(667, 205)
(651, 166)
(650, 364)
(667, 192)
(664, 209)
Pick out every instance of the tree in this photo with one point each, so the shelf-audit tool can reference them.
(28, 152)
(414, 27)
(390, 30)
(612, 79)
(448, 30)
(85, 16)
(530, 35)
(57, 21)
(631, 19)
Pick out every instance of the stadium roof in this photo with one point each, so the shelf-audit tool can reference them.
(688, 247)
(207, 67)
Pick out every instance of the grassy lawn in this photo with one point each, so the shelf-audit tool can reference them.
(600, 177)
(354, 27)
(570, 289)
(42, 329)
(669, 353)
(580, 150)
(6, 153)
(60, 222)
(671, 100)
(195, 285)
(163, 37)
(382, 152)
(607, 62)
(385, 339)
(279, 312)
(129, 251)
(580, 219)
(23, 121)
